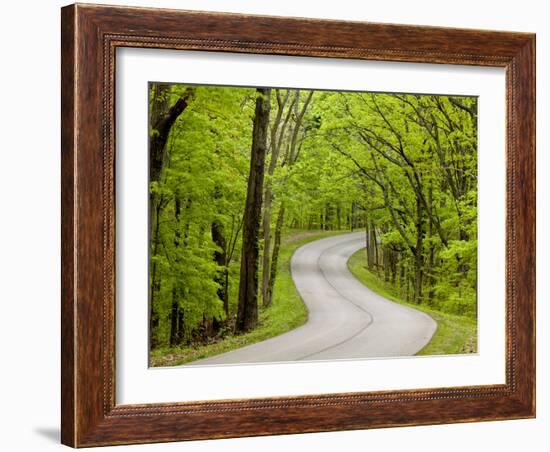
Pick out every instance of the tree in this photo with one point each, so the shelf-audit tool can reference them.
(203, 159)
(418, 154)
(163, 117)
(277, 138)
(289, 158)
(247, 314)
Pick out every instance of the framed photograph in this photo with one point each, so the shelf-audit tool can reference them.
(281, 225)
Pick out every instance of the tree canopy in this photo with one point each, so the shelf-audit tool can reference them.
(401, 167)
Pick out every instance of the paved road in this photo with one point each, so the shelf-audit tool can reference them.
(346, 319)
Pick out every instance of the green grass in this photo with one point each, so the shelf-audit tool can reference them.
(287, 311)
(454, 334)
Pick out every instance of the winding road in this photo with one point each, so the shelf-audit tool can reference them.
(346, 319)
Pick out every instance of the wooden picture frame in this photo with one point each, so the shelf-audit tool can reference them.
(90, 36)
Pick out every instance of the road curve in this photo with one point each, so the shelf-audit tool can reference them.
(346, 319)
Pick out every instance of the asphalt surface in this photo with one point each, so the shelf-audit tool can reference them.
(346, 319)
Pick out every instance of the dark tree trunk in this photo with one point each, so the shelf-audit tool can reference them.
(275, 256)
(226, 298)
(161, 127)
(374, 246)
(220, 257)
(367, 249)
(154, 288)
(401, 274)
(247, 312)
(371, 244)
(408, 297)
(418, 255)
(386, 262)
(174, 317)
(181, 326)
(267, 244)
(431, 251)
(393, 260)
(176, 290)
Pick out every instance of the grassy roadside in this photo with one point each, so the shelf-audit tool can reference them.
(286, 312)
(454, 335)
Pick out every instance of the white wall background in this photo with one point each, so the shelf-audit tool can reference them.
(29, 225)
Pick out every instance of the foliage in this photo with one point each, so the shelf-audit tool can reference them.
(402, 167)
(206, 159)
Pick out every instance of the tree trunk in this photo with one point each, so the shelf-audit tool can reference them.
(367, 249)
(431, 251)
(418, 256)
(386, 262)
(161, 127)
(174, 316)
(374, 246)
(275, 256)
(247, 312)
(401, 275)
(393, 259)
(371, 245)
(267, 245)
(181, 326)
(154, 319)
(226, 298)
(220, 257)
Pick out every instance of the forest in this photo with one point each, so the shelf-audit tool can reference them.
(238, 174)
